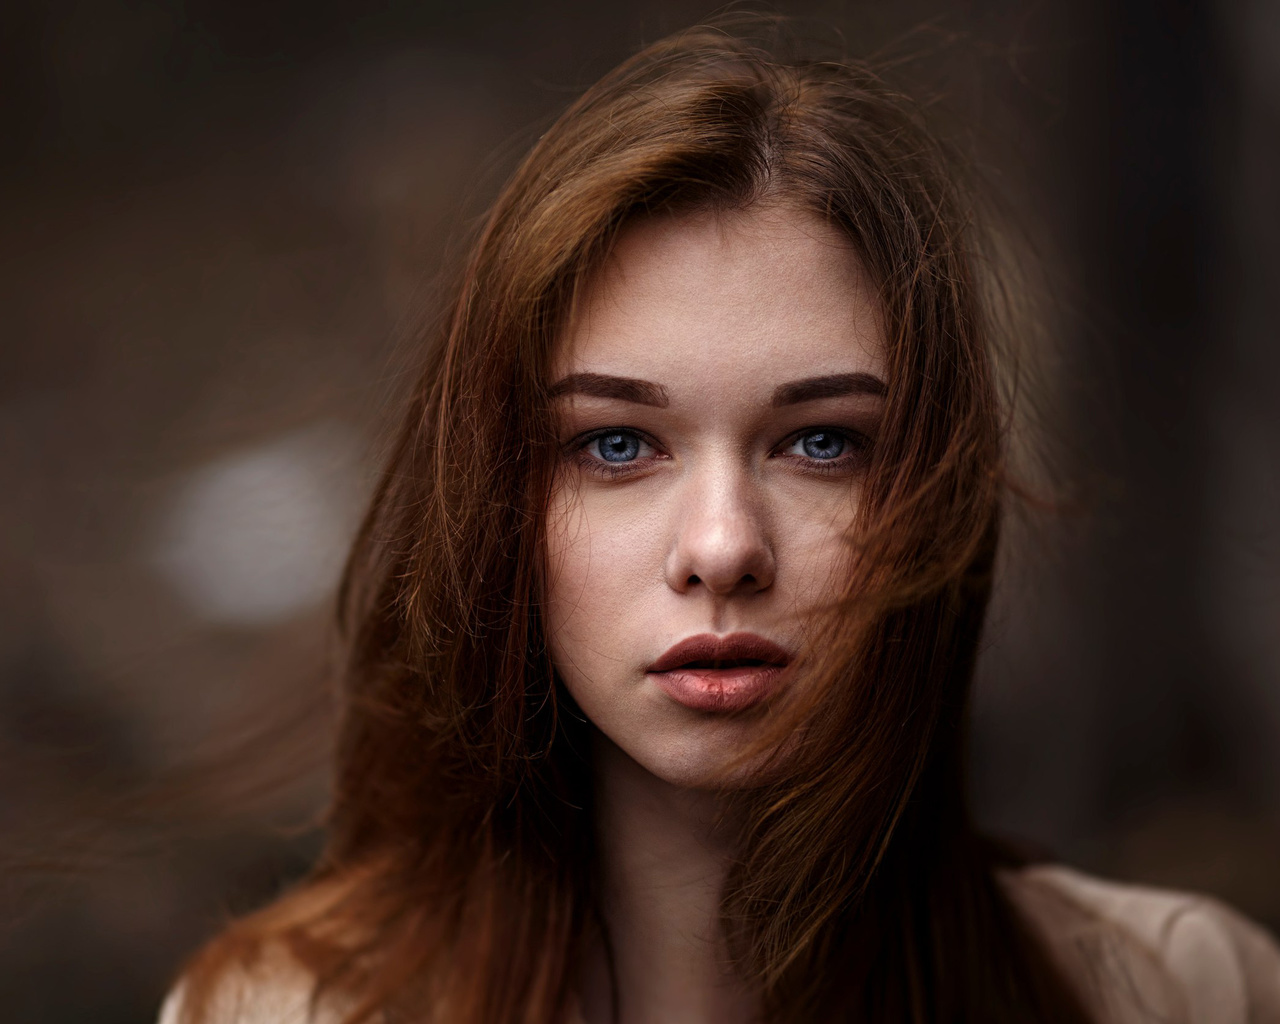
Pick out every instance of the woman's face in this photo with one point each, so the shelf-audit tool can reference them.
(719, 390)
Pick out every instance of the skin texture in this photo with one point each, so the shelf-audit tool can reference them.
(721, 524)
(720, 520)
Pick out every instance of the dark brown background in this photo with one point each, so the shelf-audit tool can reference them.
(219, 221)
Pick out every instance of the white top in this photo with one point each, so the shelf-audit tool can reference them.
(1136, 955)
(1141, 955)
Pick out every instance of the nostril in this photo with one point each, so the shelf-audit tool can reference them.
(693, 580)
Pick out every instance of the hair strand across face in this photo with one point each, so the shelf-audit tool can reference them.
(457, 882)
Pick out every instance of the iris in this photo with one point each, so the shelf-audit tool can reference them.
(822, 444)
(618, 447)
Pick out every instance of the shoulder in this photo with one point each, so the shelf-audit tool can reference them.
(274, 989)
(1139, 954)
(262, 969)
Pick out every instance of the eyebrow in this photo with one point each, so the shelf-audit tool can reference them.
(834, 385)
(603, 385)
(643, 392)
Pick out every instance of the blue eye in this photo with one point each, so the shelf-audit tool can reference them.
(617, 447)
(614, 452)
(823, 445)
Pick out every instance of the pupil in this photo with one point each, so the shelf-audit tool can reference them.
(823, 445)
(619, 447)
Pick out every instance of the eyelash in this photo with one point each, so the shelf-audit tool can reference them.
(609, 470)
(857, 454)
(860, 448)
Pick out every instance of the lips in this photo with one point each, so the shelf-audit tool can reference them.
(720, 673)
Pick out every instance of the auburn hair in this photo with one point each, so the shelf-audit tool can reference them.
(457, 880)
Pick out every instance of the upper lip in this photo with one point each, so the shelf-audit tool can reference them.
(706, 647)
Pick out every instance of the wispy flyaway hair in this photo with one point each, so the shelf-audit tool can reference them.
(457, 883)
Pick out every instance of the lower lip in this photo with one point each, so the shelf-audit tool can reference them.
(719, 689)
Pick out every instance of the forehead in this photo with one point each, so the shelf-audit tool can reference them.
(713, 298)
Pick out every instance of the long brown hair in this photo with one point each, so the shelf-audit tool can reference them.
(457, 880)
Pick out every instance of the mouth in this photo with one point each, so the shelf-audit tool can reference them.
(720, 673)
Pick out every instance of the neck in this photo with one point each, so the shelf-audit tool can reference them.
(663, 864)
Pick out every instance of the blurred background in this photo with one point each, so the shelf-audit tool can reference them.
(221, 222)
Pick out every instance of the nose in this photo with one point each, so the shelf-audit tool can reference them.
(721, 541)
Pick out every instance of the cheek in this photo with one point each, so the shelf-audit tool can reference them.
(814, 551)
(566, 561)
(594, 564)
(605, 570)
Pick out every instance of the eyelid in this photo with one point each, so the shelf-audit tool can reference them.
(579, 442)
(576, 449)
(860, 444)
(859, 441)
(857, 437)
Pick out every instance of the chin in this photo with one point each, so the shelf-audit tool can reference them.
(701, 762)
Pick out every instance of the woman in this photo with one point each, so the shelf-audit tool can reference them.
(662, 622)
